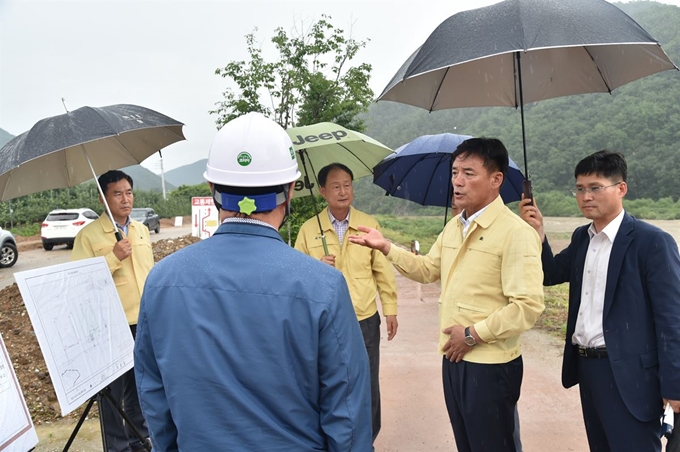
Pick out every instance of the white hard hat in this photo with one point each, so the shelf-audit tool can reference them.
(251, 151)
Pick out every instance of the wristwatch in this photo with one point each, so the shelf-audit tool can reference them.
(469, 338)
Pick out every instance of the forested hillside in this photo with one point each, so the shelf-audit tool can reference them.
(641, 119)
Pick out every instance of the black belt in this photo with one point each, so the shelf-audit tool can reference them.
(597, 352)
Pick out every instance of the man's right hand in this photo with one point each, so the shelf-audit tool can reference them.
(123, 249)
(330, 260)
(532, 215)
(372, 239)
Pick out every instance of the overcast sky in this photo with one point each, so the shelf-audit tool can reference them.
(163, 54)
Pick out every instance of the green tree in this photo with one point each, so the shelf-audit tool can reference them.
(310, 81)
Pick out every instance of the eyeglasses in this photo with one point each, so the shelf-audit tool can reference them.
(580, 191)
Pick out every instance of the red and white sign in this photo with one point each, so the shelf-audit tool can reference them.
(204, 217)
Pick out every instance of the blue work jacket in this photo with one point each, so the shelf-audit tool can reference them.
(245, 344)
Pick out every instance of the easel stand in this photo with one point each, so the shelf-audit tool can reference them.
(99, 397)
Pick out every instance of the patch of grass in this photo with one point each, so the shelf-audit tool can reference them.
(554, 318)
(26, 230)
(402, 230)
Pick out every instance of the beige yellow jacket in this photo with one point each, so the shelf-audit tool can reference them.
(492, 279)
(97, 239)
(367, 271)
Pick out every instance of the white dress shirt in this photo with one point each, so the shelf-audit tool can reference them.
(588, 330)
(467, 222)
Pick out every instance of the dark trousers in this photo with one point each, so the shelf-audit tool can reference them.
(370, 329)
(481, 400)
(609, 425)
(119, 437)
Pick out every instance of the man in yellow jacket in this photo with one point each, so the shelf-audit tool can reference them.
(489, 264)
(129, 261)
(368, 273)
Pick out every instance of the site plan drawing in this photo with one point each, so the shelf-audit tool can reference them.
(80, 325)
(17, 433)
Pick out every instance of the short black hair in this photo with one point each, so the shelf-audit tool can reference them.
(491, 150)
(111, 177)
(323, 174)
(608, 164)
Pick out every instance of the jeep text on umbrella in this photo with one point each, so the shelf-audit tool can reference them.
(338, 134)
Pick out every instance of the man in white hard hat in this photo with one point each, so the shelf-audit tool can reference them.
(244, 343)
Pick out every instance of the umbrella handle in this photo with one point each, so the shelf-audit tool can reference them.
(526, 184)
(302, 153)
(325, 246)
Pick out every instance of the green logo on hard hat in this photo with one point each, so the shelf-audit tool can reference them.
(244, 159)
(292, 153)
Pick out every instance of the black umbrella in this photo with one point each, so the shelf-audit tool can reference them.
(65, 150)
(520, 51)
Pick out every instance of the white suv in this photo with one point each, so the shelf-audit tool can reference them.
(62, 225)
(8, 249)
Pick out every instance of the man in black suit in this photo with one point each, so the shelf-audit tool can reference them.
(623, 331)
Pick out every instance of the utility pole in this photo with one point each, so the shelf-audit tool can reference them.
(163, 180)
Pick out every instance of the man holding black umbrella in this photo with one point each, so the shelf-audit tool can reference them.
(622, 345)
(129, 261)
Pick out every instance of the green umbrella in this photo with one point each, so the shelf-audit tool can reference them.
(324, 143)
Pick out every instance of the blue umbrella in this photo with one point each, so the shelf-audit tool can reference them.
(420, 171)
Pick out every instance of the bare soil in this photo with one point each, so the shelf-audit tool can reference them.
(22, 345)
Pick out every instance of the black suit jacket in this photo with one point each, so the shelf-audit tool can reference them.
(641, 318)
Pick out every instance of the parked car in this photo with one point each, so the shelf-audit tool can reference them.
(62, 225)
(8, 249)
(147, 217)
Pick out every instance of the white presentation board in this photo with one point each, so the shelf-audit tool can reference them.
(17, 433)
(80, 325)
(205, 217)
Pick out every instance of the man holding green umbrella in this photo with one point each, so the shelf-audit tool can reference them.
(367, 271)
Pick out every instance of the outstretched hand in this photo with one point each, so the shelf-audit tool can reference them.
(372, 238)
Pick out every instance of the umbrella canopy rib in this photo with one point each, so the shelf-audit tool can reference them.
(599, 71)
(355, 156)
(442, 158)
(434, 98)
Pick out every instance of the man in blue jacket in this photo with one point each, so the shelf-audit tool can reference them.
(243, 343)
(623, 330)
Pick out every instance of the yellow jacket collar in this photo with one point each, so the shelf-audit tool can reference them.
(492, 211)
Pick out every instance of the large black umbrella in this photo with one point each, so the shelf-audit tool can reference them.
(520, 51)
(65, 150)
